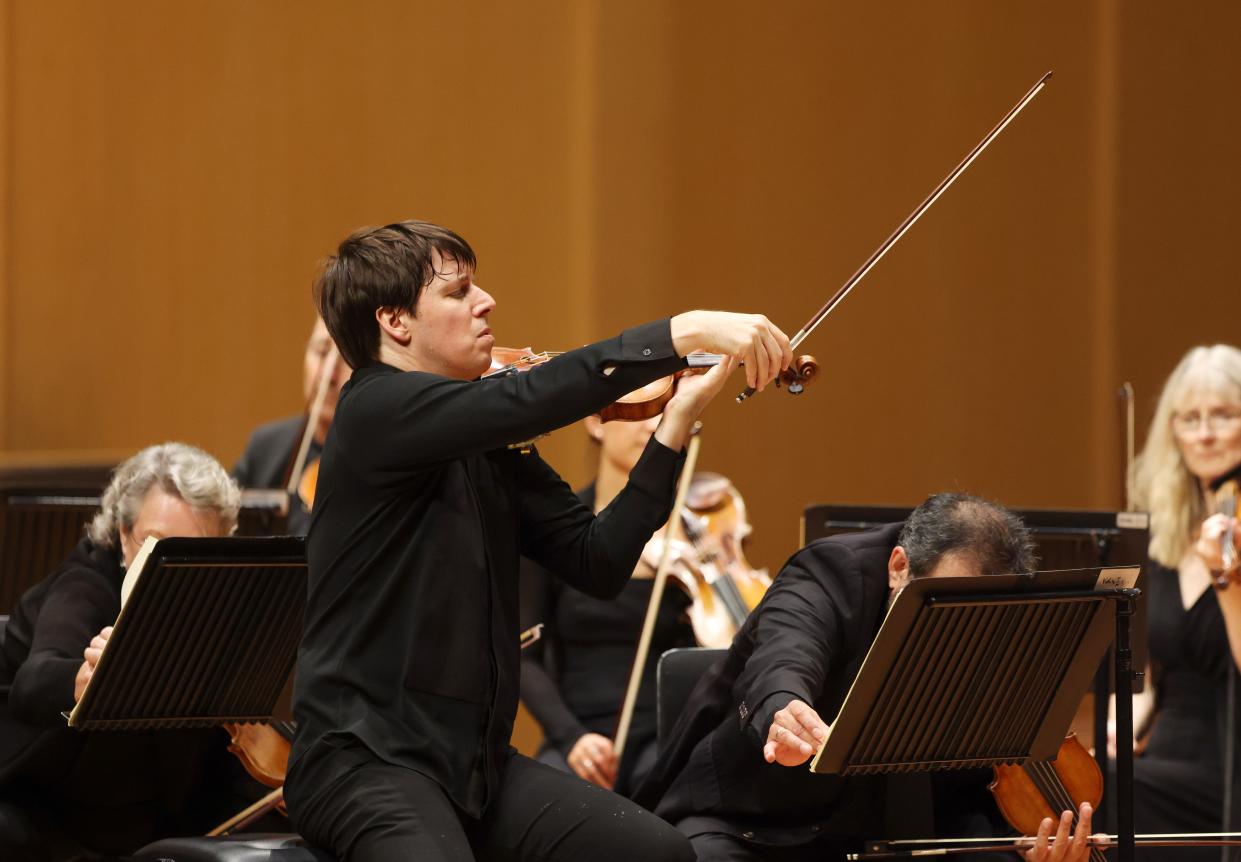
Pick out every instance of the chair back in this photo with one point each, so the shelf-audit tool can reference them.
(678, 672)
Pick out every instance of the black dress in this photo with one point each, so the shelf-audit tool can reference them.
(1179, 780)
(574, 680)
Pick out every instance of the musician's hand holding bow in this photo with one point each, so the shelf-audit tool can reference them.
(751, 338)
(593, 758)
(91, 653)
(1068, 847)
(795, 734)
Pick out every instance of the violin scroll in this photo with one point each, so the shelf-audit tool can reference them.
(803, 369)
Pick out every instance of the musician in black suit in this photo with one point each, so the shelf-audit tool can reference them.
(733, 777)
(270, 451)
(408, 670)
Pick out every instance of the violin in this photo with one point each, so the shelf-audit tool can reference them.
(1028, 793)
(263, 750)
(651, 399)
(1225, 489)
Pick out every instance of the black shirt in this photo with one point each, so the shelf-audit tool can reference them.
(410, 646)
(43, 642)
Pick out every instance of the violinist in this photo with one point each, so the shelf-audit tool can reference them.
(273, 447)
(64, 791)
(734, 775)
(1194, 625)
(408, 670)
(573, 680)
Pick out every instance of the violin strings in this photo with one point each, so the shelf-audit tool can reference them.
(1047, 781)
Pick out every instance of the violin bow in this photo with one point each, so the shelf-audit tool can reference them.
(326, 370)
(878, 254)
(946, 846)
(666, 558)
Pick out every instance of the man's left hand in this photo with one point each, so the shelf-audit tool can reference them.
(1067, 848)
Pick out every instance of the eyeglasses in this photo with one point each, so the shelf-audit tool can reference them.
(1221, 419)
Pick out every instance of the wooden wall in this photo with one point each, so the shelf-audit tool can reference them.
(171, 173)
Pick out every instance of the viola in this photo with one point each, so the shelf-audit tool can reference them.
(709, 564)
(651, 399)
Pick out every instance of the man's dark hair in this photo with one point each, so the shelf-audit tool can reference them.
(380, 267)
(994, 537)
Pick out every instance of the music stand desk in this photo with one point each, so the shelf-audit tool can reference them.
(207, 636)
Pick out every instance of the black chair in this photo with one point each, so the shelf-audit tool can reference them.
(233, 848)
(675, 677)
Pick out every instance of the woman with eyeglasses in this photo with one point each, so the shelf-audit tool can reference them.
(1194, 624)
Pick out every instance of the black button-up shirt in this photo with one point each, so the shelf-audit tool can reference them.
(410, 645)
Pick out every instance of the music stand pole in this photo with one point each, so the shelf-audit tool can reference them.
(1124, 727)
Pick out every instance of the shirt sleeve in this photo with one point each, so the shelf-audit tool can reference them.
(399, 423)
(798, 635)
(74, 610)
(595, 553)
(539, 691)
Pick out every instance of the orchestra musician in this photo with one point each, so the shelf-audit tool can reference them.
(1194, 631)
(62, 791)
(573, 680)
(407, 674)
(272, 447)
(734, 776)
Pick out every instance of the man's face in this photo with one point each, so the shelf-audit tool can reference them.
(450, 335)
(317, 350)
(954, 564)
(162, 515)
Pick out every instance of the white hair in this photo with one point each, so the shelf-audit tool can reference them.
(180, 470)
(1162, 483)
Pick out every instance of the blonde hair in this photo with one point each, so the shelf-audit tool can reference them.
(180, 470)
(1161, 482)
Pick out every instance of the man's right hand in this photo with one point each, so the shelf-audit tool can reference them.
(752, 338)
(795, 734)
(92, 654)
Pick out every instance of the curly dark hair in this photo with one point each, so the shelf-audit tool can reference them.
(994, 537)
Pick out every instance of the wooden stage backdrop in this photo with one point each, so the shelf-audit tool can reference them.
(171, 173)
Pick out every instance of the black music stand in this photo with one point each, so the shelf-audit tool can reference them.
(207, 635)
(1065, 539)
(987, 671)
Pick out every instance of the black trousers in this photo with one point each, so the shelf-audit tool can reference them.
(639, 759)
(365, 810)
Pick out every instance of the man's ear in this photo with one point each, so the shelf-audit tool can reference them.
(898, 568)
(394, 322)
